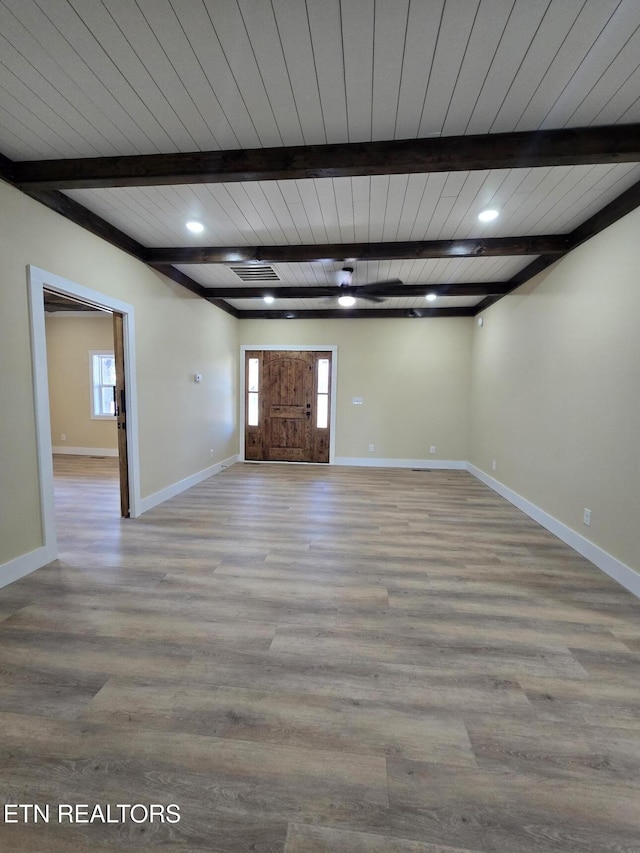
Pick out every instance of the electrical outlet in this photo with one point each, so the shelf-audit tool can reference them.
(586, 516)
(63, 437)
(211, 454)
(371, 448)
(493, 464)
(432, 449)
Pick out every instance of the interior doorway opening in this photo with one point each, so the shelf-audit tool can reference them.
(40, 281)
(87, 399)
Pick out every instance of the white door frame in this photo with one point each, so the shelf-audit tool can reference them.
(244, 348)
(37, 281)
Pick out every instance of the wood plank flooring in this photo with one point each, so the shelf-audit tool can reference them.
(319, 660)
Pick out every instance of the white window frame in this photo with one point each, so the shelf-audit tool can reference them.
(92, 385)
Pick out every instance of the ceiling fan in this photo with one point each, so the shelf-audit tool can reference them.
(371, 292)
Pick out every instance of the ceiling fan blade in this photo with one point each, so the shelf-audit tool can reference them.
(371, 297)
(376, 286)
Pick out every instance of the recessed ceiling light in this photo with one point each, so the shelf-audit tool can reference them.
(488, 215)
(346, 301)
(268, 299)
(196, 227)
(431, 297)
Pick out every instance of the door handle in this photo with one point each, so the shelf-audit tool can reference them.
(308, 414)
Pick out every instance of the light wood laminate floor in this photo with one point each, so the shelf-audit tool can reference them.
(320, 660)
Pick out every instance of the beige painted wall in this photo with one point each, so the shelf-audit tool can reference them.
(414, 377)
(69, 341)
(177, 335)
(550, 385)
(556, 390)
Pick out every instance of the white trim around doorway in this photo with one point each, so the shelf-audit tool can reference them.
(38, 280)
(332, 348)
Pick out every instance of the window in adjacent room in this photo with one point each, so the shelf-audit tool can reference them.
(103, 382)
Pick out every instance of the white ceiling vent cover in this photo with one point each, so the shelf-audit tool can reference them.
(256, 272)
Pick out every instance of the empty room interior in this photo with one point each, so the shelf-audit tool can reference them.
(319, 468)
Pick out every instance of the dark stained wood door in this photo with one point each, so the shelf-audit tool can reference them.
(121, 412)
(287, 406)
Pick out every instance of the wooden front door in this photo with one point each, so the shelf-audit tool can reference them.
(287, 406)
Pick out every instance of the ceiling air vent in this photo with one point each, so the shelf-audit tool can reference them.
(256, 272)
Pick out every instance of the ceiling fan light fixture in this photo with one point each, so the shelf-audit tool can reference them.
(195, 227)
(346, 276)
(488, 215)
(346, 301)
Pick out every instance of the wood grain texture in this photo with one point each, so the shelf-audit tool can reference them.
(311, 659)
(389, 289)
(121, 401)
(558, 147)
(506, 811)
(552, 244)
(321, 839)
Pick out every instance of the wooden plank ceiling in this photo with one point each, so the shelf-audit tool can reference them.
(306, 135)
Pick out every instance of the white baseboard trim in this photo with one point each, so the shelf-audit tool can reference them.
(182, 485)
(619, 571)
(370, 462)
(85, 451)
(24, 565)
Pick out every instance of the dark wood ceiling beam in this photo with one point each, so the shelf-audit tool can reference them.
(90, 221)
(186, 281)
(6, 169)
(180, 278)
(356, 313)
(82, 216)
(536, 266)
(616, 209)
(313, 292)
(555, 244)
(563, 147)
(612, 212)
